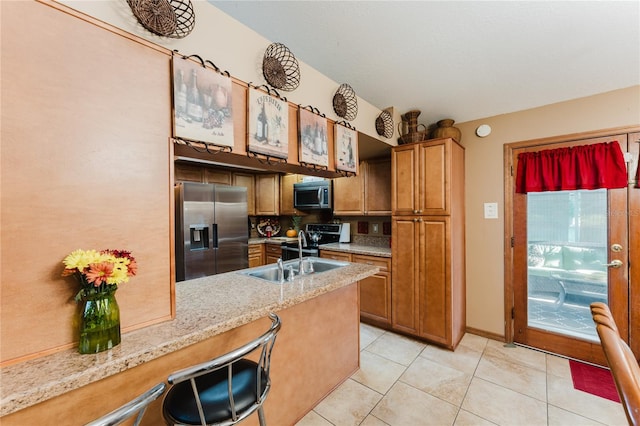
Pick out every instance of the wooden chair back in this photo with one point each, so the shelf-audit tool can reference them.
(622, 362)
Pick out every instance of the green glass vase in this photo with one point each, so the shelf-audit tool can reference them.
(99, 323)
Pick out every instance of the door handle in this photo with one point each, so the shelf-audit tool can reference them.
(614, 264)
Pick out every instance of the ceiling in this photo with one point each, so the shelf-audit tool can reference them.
(464, 60)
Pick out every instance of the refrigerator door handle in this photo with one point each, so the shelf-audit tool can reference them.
(214, 228)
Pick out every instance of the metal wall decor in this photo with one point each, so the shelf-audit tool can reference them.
(384, 124)
(345, 102)
(185, 18)
(167, 18)
(280, 68)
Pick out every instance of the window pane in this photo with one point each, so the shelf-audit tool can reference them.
(567, 256)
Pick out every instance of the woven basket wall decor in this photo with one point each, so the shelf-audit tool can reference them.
(185, 18)
(345, 102)
(167, 18)
(280, 68)
(384, 124)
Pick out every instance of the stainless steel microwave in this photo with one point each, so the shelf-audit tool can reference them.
(312, 195)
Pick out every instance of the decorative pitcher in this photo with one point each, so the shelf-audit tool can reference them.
(408, 128)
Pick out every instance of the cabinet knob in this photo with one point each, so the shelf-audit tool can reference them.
(419, 211)
(415, 212)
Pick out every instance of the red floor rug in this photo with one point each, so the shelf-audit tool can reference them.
(594, 380)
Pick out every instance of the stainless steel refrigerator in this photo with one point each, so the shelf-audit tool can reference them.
(212, 230)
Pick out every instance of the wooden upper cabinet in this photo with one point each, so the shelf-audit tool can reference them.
(404, 180)
(377, 187)
(422, 177)
(268, 195)
(187, 173)
(217, 176)
(286, 194)
(348, 195)
(247, 181)
(368, 194)
(434, 169)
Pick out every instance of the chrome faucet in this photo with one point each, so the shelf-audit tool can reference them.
(280, 270)
(302, 242)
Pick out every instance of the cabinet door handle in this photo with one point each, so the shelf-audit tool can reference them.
(415, 212)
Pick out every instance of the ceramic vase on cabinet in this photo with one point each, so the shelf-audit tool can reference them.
(445, 129)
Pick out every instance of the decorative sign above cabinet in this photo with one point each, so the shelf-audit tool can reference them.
(268, 125)
(202, 107)
(314, 147)
(346, 148)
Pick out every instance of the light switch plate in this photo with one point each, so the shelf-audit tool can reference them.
(490, 210)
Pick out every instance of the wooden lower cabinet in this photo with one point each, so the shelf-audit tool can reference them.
(272, 252)
(375, 291)
(428, 293)
(256, 255)
(335, 255)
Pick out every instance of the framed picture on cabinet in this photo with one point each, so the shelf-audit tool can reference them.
(313, 138)
(202, 107)
(346, 148)
(268, 124)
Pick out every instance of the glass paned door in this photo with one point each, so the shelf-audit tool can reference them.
(566, 260)
(569, 249)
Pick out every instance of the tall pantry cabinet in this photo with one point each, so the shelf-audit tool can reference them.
(428, 238)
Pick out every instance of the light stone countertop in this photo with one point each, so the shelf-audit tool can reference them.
(357, 249)
(205, 307)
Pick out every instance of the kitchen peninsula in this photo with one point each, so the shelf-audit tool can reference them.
(317, 349)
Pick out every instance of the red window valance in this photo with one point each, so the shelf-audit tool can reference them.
(579, 167)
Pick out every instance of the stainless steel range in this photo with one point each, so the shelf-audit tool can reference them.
(317, 234)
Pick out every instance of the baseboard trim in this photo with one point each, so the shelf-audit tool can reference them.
(487, 334)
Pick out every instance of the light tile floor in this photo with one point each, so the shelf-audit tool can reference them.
(405, 382)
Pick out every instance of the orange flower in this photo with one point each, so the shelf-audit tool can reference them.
(99, 272)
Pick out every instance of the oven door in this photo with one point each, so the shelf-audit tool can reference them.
(290, 252)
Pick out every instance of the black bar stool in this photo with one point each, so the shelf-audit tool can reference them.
(224, 390)
(137, 405)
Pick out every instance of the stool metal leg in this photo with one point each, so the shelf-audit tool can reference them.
(261, 418)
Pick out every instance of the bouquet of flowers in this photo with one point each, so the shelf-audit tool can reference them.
(99, 272)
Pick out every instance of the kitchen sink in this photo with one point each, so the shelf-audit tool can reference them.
(272, 274)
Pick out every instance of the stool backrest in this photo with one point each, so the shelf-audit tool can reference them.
(264, 343)
(622, 362)
(137, 406)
